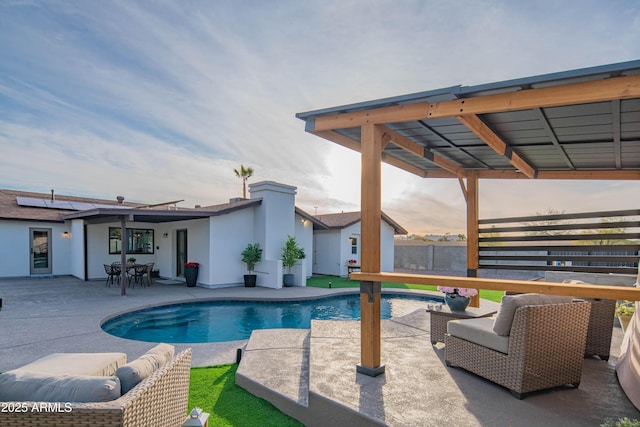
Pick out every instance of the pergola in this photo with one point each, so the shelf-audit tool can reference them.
(580, 125)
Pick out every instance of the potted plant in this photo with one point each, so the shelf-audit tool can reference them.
(457, 299)
(250, 256)
(191, 273)
(291, 253)
(624, 311)
(131, 260)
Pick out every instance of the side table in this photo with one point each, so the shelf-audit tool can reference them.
(439, 318)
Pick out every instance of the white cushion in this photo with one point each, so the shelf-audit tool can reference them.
(479, 331)
(165, 350)
(22, 385)
(133, 372)
(510, 303)
(97, 364)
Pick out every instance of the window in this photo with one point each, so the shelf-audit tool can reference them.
(139, 240)
(354, 245)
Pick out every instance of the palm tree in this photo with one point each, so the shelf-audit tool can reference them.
(245, 174)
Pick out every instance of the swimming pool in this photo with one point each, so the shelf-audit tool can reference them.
(218, 321)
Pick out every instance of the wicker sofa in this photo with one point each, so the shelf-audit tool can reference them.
(544, 347)
(159, 400)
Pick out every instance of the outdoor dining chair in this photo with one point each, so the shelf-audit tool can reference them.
(137, 272)
(112, 271)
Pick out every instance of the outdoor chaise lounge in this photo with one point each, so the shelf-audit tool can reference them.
(535, 342)
(84, 389)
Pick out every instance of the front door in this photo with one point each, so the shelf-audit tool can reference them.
(181, 251)
(40, 243)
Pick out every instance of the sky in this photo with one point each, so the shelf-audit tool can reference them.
(160, 100)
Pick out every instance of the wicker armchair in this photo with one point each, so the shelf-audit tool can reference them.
(159, 400)
(600, 327)
(546, 347)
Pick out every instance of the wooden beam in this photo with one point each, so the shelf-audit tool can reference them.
(617, 175)
(624, 87)
(424, 153)
(339, 139)
(473, 256)
(371, 214)
(489, 137)
(355, 146)
(394, 161)
(524, 286)
(463, 187)
(386, 138)
(436, 173)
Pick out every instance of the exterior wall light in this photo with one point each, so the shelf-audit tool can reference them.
(66, 235)
(196, 418)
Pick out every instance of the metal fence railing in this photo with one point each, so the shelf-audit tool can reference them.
(595, 242)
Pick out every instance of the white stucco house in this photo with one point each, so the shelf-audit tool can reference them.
(45, 235)
(339, 241)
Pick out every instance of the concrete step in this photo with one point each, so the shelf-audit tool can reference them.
(275, 367)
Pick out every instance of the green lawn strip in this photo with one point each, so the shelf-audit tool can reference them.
(343, 282)
(214, 390)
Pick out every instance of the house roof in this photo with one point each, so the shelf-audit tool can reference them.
(19, 205)
(161, 215)
(10, 209)
(317, 224)
(578, 124)
(345, 219)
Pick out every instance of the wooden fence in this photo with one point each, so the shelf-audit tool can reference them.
(596, 242)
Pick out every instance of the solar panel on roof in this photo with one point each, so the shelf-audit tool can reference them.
(82, 206)
(63, 204)
(31, 202)
(58, 204)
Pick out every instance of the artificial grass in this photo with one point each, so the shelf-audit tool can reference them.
(214, 390)
(343, 282)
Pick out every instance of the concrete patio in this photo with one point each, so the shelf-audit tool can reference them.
(308, 373)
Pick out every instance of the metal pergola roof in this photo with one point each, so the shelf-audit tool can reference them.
(582, 124)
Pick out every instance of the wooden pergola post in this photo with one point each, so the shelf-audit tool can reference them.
(123, 256)
(473, 261)
(371, 211)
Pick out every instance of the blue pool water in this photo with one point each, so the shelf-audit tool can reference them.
(217, 321)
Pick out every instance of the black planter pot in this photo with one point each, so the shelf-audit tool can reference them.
(191, 276)
(250, 280)
(288, 279)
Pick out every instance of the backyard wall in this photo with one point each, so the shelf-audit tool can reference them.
(451, 257)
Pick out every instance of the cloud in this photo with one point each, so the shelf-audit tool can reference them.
(162, 100)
